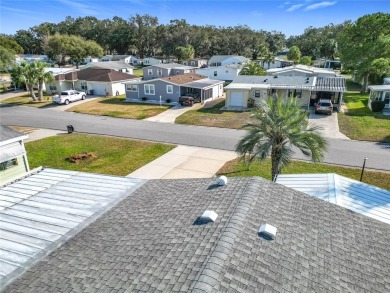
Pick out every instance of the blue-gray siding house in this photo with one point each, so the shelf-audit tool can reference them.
(172, 87)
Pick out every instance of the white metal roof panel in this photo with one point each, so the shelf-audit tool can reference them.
(383, 87)
(357, 196)
(40, 212)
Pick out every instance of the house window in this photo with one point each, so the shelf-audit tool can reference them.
(83, 85)
(149, 89)
(159, 72)
(150, 71)
(192, 63)
(132, 87)
(257, 93)
(215, 73)
(169, 89)
(8, 164)
(52, 87)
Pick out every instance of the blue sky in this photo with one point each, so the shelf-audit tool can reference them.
(290, 17)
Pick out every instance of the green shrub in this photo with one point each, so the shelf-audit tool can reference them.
(144, 99)
(168, 101)
(377, 106)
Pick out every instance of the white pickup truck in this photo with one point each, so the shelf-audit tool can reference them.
(68, 96)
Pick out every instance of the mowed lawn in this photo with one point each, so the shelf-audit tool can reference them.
(360, 123)
(214, 117)
(117, 107)
(26, 100)
(237, 168)
(114, 156)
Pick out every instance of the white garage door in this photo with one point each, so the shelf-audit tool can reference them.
(99, 89)
(237, 99)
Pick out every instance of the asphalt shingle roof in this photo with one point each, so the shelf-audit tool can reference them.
(7, 133)
(152, 242)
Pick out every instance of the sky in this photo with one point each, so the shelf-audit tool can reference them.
(289, 17)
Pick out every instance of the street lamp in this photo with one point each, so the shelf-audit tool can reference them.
(364, 164)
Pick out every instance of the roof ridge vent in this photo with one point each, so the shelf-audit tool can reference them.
(267, 231)
(208, 216)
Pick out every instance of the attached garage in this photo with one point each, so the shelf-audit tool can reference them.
(236, 99)
(99, 88)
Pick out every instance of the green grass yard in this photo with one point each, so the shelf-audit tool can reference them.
(237, 168)
(114, 156)
(214, 117)
(26, 100)
(117, 107)
(360, 123)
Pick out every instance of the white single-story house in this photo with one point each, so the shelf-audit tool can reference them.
(224, 72)
(277, 63)
(327, 63)
(386, 80)
(13, 157)
(195, 62)
(121, 66)
(172, 87)
(90, 59)
(301, 70)
(129, 59)
(150, 61)
(380, 92)
(167, 69)
(219, 60)
(307, 89)
(93, 81)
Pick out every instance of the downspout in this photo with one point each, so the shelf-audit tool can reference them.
(25, 158)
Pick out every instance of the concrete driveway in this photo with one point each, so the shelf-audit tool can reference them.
(329, 125)
(185, 162)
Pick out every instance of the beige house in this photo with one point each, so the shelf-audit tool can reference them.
(13, 158)
(246, 89)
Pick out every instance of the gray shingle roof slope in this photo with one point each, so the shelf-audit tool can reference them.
(7, 133)
(150, 243)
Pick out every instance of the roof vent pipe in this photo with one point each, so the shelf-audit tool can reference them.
(208, 216)
(267, 231)
(222, 180)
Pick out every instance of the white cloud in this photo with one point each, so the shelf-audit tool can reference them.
(319, 5)
(80, 7)
(294, 7)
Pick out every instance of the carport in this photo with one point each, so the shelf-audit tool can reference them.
(329, 88)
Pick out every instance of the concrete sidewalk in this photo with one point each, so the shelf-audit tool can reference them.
(170, 115)
(185, 162)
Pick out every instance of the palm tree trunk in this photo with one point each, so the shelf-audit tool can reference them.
(31, 90)
(40, 91)
(275, 159)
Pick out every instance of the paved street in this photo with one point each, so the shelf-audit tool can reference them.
(343, 152)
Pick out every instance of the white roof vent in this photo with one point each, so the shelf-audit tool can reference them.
(222, 180)
(208, 216)
(267, 231)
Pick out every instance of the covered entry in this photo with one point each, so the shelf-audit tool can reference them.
(329, 88)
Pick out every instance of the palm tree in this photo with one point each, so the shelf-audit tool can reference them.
(32, 74)
(279, 125)
(41, 77)
(252, 68)
(23, 74)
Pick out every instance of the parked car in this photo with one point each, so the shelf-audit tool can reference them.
(324, 107)
(69, 96)
(189, 99)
